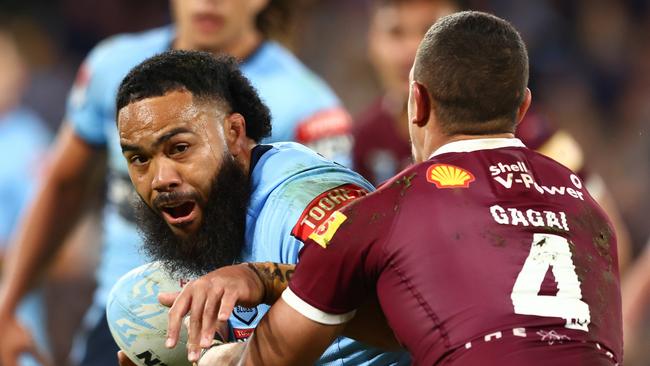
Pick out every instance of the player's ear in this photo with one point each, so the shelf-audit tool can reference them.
(525, 104)
(234, 128)
(421, 104)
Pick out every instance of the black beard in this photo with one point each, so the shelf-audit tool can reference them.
(220, 237)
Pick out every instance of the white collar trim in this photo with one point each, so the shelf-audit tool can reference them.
(477, 144)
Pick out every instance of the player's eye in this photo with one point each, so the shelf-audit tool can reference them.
(180, 148)
(138, 160)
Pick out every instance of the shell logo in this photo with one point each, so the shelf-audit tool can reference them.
(449, 176)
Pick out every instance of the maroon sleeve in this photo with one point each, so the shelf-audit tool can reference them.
(340, 262)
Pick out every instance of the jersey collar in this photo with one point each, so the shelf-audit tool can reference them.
(477, 144)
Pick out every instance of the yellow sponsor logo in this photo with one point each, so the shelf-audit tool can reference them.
(324, 233)
(449, 176)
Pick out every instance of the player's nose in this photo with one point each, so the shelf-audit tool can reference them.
(166, 177)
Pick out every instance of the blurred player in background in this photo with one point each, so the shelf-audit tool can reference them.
(483, 253)
(23, 141)
(636, 301)
(303, 109)
(381, 143)
(210, 194)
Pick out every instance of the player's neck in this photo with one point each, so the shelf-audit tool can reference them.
(243, 46)
(244, 159)
(435, 142)
(239, 47)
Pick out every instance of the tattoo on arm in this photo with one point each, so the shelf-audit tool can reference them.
(275, 278)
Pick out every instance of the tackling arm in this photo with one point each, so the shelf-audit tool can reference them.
(368, 326)
(286, 337)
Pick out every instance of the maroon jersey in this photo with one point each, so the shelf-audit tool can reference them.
(487, 254)
(379, 151)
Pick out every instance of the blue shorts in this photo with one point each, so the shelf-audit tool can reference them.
(95, 345)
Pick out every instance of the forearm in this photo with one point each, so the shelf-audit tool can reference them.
(275, 278)
(39, 235)
(285, 337)
(368, 326)
(54, 210)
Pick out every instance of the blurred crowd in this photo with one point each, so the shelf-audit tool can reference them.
(590, 76)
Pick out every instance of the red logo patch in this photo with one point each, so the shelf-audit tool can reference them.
(242, 334)
(321, 207)
(330, 122)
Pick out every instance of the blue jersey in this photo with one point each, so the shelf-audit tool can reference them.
(303, 108)
(293, 191)
(23, 142)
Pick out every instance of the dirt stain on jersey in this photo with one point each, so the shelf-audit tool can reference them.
(602, 243)
(609, 276)
(496, 240)
(405, 182)
(376, 217)
(553, 230)
(591, 221)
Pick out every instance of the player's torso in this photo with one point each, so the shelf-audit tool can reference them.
(502, 244)
(294, 190)
(116, 58)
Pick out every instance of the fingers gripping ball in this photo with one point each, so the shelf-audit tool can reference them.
(138, 322)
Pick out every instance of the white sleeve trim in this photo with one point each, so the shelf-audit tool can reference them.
(313, 313)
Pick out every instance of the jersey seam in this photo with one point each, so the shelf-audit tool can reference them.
(416, 294)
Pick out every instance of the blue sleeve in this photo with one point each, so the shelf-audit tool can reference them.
(84, 108)
(13, 194)
(282, 212)
(18, 173)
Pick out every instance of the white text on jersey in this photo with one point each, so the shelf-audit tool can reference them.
(509, 174)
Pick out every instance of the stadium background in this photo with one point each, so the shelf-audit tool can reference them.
(590, 74)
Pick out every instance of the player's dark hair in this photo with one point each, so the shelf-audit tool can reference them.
(475, 67)
(206, 77)
(382, 3)
(278, 20)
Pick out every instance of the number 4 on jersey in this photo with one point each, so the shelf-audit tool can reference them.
(551, 250)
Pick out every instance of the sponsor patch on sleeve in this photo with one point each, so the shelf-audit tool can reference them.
(321, 208)
(326, 230)
(326, 123)
(80, 86)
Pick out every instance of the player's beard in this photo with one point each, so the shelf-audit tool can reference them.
(220, 237)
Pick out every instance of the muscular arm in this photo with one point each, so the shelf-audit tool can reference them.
(275, 278)
(286, 337)
(55, 209)
(368, 326)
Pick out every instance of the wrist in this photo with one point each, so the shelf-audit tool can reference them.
(259, 279)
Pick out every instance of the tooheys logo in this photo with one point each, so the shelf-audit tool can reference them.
(326, 230)
(321, 207)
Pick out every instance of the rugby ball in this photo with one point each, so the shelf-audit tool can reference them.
(138, 322)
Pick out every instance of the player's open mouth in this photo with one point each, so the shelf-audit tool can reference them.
(179, 213)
